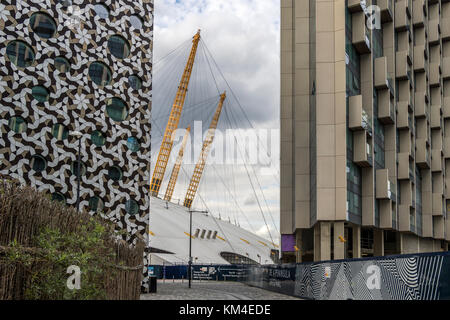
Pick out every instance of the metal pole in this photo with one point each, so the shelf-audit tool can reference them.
(190, 248)
(78, 174)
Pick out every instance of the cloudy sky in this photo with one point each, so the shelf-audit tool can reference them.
(243, 37)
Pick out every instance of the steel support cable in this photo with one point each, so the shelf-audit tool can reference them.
(164, 79)
(203, 201)
(259, 185)
(243, 111)
(254, 190)
(234, 95)
(203, 45)
(251, 183)
(185, 43)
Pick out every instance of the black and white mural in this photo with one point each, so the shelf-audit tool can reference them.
(79, 69)
(409, 277)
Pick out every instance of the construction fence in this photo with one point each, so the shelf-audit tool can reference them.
(405, 277)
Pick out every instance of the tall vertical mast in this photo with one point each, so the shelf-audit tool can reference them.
(176, 167)
(193, 186)
(174, 119)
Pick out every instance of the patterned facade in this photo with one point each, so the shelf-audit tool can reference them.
(365, 100)
(410, 277)
(79, 66)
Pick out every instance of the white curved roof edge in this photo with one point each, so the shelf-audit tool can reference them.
(169, 231)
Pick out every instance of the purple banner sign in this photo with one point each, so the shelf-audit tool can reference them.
(287, 242)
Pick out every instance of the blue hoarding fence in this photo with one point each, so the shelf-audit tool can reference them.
(405, 277)
(201, 272)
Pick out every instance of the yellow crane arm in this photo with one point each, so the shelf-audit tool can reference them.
(176, 167)
(198, 171)
(174, 119)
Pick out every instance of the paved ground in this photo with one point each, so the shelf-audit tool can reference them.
(211, 290)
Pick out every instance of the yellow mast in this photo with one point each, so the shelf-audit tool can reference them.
(176, 167)
(174, 119)
(193, 186)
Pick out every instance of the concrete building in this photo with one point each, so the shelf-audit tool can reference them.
(365, 128)
(76, 75)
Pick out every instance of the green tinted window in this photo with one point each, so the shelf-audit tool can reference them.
(17, 124)
(114, 173)
(38, 163)
(74, 168)
(96, 204)
(133, 144)
(62, 64)
(43, 25)
(100, 73)
(98, 138)
(60, 132)
(20, 53)
(116, 109)
(118, 47)
(132, 207)
(40, 93)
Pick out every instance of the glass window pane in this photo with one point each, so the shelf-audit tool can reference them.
(98, 139)
(40, 93)
(136, 21)
(132, 207)
(58, 197)
(74, 168)
(114, 173)
(38, 163)
(96, 204)
(102, 11)
(133, 144)
(17, 124)
(135, 82)
(100, 73)
(62, 64)
(116, 109)
(20, 53)
(60, 132)
(119, 47)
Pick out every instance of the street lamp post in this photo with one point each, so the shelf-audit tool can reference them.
(190, 245)
(78, 134)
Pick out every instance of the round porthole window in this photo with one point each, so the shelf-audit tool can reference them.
(40, 93)
(74, 168)
(98, 138)
(100, 73)
(96, 204)
(116, 109)
(60, 132)
(133, 144)
(136, 21)
(118, 46)
(38, 163)
(132, 207)
(17, 124)
(114, 173)
(58, 197)
(62, 64)
(43, 25)
(20, 53)
(135, 82)
(102, 11)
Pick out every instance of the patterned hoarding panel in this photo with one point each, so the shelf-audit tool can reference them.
(411, 277)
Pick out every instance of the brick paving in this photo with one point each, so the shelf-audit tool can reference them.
(211, 290)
